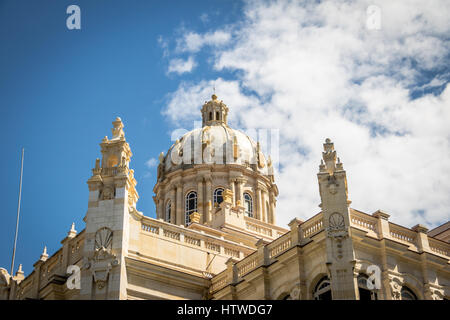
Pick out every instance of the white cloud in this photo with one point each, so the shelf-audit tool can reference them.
(151, 163)
(193, 42)
(181, 66)
(314, 71)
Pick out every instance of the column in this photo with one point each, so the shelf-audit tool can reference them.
(272, 202)
(208, 199)
(240, 190)
(173, 206)
(264, 206)
(180, 207)
(200, 204)
(259, 212)
(161, 209)
(233, 190)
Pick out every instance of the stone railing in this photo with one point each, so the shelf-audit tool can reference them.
(150, 228)
(232, 253)
(258, 229)
(397, 233)
(439, 247)
(402, 234)
(220, 281)
(167, 231)
(301, 231)
(363, 221)
(265, 254)
(112, 171)
(312, 226)
(246, 265)
(279, 246)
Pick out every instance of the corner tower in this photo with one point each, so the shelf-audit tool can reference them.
(336, 219)
(112, 197)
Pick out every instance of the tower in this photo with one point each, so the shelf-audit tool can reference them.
(214, 112)
(336, 219)
(112, 197)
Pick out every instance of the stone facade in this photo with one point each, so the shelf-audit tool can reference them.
(215, 234)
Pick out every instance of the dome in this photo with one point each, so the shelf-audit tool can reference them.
(210, 164)
(216, 144)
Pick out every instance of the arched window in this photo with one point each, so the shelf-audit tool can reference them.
(248, 205)
(191, 206)
(364, 292)
(168, 211)
(218, 196)
(407, 294)
(210, 116)
(217, 115)
(322, 291)
(113, 161)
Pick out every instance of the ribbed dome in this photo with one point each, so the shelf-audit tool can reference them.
(218, 144)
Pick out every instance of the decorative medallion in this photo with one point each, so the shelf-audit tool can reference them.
(336, 226)
(336, 221)
(103, 239)
(103, 260)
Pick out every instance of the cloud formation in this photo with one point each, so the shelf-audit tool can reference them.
(151, 163)
(314, 71)
(181, 66)
(193, 42)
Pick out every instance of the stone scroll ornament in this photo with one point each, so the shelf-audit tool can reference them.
(103, 260)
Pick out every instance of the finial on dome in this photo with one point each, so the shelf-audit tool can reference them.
(214, 97)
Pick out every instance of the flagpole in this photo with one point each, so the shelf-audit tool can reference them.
(18, 213)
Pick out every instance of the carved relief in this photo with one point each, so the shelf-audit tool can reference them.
(103, 260)
(295, 292)
(103, 239)
(396, 289)
(107, 193)
(336, 230)
(332, 185)
(336, 222)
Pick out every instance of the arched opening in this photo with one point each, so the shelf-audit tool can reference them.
(217, 115)
(218, 196)
(168, 211)
(210, 116)
(364, 292)
(248, 205)
(322, 290)
(113, 161)
(191, 206)
(407, 294)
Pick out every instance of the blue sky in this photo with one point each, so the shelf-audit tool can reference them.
(60, 90)
(312, 70)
